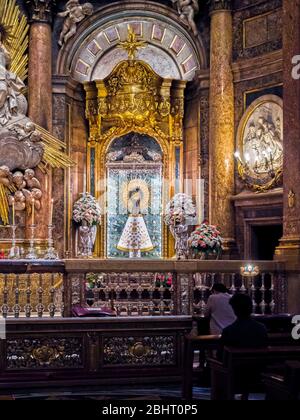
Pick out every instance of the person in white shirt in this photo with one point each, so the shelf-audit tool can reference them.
(219, 310)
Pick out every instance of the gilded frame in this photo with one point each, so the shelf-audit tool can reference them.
(256, 184)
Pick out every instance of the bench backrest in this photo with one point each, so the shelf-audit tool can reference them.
(245, 366)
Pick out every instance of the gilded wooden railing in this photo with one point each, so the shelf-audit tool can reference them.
(31, 290)
(133, 288)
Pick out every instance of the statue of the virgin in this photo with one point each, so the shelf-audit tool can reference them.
(135, 238)
(10, 89)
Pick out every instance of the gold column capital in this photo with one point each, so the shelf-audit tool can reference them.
(40, 11)
(220, 6)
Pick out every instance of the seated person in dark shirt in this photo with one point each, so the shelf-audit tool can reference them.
(244, 332)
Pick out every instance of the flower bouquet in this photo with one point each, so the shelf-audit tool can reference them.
(87, 214)
(206, 240)
(179, 209)
(94, 281)
(164, 280)
(87, 210)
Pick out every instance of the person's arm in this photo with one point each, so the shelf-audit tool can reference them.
(208, 310)
(221, 345)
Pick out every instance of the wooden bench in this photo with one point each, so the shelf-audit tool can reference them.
(241, 371)
(206, 343)
(192, 343)
(285, 387)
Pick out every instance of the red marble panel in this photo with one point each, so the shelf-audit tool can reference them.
(177, 45)
(94, 47)
(112, 34)
(82, 67)
(137, 28)
(158, 33)
(189, 65)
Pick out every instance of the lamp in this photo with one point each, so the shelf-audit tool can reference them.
(250, 270)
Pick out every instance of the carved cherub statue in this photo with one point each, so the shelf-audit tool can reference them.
(5, 176)
(18, 180)
(37, 196)
(27, 132)
(31, 180)
(74, 14)
(20, 201)
(187, 10)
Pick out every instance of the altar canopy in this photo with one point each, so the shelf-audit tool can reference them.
(136, 141)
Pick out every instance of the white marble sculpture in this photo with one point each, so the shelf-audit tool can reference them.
(74, 14)
(187, 10)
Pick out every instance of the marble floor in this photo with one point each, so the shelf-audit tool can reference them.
(147, 393)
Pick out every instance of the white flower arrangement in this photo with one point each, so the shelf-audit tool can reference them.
(179, 209)
(87, 209)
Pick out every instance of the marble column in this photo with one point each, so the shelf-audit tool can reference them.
(289, 248)
(222, 142)
(40, 91)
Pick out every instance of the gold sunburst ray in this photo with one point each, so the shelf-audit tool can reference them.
(14, 30)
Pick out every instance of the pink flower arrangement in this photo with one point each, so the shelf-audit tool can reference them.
(164, 280)
(206, 239)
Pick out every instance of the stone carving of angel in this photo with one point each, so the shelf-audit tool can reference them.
(10, 88)
(156, 157)
(5, 176)
(23, 132)
(74, 14)
(31, 180)
(181, 235)
(114, 156)
(37, 196)
(18, 180)
(187, 10)
(20, 201)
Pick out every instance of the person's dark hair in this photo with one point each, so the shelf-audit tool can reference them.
(219, 288)
(241, 305)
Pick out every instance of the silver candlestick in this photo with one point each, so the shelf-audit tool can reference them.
(51, 253)
(32, 255)
(14, 253)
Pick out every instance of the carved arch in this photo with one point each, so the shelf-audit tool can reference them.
(178, 54)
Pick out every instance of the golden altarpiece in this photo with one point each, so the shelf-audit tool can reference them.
(138, 138)
(136, 104)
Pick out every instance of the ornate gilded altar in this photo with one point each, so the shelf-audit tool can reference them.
(134, 101)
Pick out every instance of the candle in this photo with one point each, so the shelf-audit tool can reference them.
(51, 213)
(13, 211)
(32, 212)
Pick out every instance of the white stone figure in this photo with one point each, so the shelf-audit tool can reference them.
(74, 14)
(86, 240)
(10, 88)
(187, 10)
(181, 236)
(27, 132)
